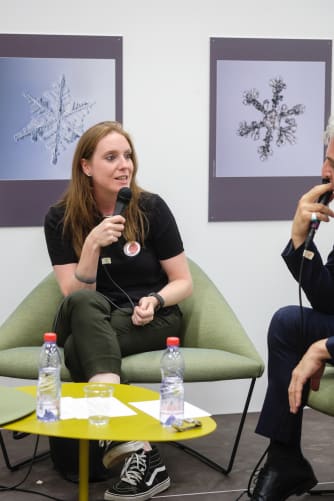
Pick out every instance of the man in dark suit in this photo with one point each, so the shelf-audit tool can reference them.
(300, 342)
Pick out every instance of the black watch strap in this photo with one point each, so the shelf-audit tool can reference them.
(161, 301)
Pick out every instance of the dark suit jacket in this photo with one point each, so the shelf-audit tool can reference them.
(317, 279)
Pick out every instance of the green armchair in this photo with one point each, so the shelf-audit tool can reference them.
(214, 344)
(323, 401)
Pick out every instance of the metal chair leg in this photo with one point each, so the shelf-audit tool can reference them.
(225, 470)
(13, 467)
(320, 492)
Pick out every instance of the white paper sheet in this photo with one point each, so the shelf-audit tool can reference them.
(76, 408)
(152, 408)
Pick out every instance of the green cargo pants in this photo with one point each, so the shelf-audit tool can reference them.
(95, 335)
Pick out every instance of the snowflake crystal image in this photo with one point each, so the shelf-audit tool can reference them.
(55, 118)
(277, 119)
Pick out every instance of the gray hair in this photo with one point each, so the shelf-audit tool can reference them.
(329, 132)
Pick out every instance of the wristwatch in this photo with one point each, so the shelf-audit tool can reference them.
(161, 301)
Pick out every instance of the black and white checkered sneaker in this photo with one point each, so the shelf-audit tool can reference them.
(143, 475)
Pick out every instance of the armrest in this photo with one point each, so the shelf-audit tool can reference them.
(32, 317)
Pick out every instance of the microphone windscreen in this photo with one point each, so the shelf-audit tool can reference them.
(123, 198)
(124, 195)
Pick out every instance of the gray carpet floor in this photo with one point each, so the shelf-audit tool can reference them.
(191, 479)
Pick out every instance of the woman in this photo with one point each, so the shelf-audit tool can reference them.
(122, 276)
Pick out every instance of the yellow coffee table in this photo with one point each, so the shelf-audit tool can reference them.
(140, 426)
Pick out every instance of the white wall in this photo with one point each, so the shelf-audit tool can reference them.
(166, 109)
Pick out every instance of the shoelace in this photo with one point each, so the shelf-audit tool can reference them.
(253, 480)
(254, 476)
(104, 443)
(134, 468)
(249, 491)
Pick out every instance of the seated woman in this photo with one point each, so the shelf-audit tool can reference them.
(122, 274)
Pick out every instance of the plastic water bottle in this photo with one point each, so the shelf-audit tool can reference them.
(49, 384)
(172, 388)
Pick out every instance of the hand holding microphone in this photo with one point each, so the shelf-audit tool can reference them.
(312, 208)
(324, 199)
(122, 201)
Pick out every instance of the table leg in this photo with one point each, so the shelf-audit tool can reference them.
(83, 469)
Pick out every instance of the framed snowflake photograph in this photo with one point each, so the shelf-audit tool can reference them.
(52, 89)
(270, 100)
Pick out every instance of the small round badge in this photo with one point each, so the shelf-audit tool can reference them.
(131, 249)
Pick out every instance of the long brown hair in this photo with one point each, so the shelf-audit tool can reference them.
(81, 212)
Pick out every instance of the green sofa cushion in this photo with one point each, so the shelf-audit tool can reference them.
(201, 365)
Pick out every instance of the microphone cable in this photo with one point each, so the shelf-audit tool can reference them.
(256, 470)
(16, 487)
(300, 301)
(253, 476)
(125, 310)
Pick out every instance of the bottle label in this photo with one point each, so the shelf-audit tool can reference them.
(171, 402)
(48, 394)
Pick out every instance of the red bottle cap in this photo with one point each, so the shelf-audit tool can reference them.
(173, 341)
(50, 337)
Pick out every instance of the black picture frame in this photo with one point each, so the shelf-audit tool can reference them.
(265, 197)
(24, 202)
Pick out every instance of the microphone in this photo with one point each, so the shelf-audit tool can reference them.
(323, 199)
(123, 199)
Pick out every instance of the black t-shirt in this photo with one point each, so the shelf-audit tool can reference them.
(137, 274)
